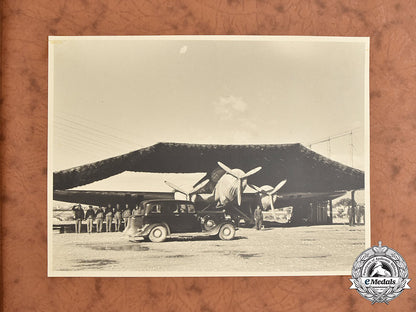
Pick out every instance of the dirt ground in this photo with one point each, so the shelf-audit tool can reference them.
(271, 251)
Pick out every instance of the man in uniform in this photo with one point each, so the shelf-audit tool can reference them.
(258, 217)
(99, 217)
(89, 217)
(351, 214)
(360, 214)
(126, 216)
(78, 217)
(117, 217)
(108, 217)
(136, 211)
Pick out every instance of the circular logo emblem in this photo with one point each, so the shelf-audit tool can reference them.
(380, 274)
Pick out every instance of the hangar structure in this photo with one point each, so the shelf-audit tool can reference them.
(312, 179)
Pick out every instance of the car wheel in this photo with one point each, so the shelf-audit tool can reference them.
(158, 234)
(227, 232)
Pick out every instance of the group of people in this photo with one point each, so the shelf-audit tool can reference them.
(355, 214)
(117, 214)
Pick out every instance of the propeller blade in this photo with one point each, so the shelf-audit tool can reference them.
(278, 187)
(199, 186)
(251, 172)
(176, 188)
(226, 169)
(272, 205)
(239, 192)
(256, 188)
(202, 179)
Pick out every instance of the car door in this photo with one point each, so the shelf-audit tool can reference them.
(187, 218)
(171, 216)
(194, 222)
(154, 213)
(180, 220)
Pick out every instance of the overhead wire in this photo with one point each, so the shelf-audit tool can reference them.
(332, 137)
(107, 137)
(88, 140)
(89, 121)
(81, 148)
(71, 151)
(85, 136)
(350, 133)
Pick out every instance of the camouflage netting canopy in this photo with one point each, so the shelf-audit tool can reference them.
(305, 170)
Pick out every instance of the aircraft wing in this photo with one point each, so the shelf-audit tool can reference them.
(290, 199)
(103, 198)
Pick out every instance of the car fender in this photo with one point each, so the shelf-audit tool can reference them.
(216, 229)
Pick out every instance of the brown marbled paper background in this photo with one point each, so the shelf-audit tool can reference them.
(26, 25)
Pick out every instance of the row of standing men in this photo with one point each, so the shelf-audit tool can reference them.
(99, 214)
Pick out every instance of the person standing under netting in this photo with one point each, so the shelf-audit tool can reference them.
(351, 215)
(99, 218)
(126, 216)
(117, 217)
(108, 218)
(258, 217)
(89, 217)
(78, 217)
(360, 214)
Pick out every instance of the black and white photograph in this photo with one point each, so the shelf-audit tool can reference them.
(207, 155)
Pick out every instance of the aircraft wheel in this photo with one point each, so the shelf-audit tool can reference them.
(227, 232)
(158, 234)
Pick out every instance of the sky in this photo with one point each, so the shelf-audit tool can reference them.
(114, 95)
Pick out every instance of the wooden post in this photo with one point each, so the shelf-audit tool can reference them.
(313, 213)
(353, 206)
(331, 220)
(318, 214)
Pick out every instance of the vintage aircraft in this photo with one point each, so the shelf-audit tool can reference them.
(268, 195)
(229, 186)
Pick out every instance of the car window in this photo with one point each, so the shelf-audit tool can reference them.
(191, 208)
(183, 208)
(155, 208)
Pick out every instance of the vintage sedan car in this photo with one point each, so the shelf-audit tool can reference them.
(158, 219)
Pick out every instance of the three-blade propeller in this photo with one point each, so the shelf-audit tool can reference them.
(240, 176)
(270, 194)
